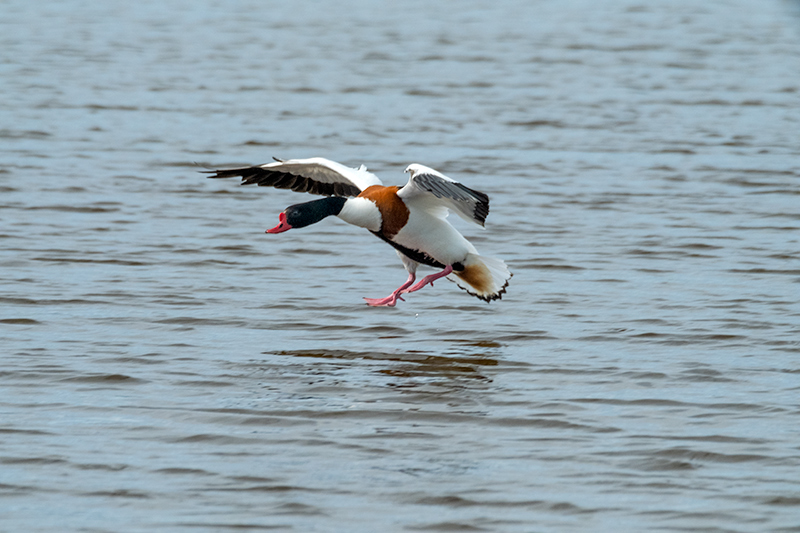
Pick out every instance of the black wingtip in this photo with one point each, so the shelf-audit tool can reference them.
(481, 212)
(223, 173)
(278, 160)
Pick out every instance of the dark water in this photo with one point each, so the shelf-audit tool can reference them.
(167, 366)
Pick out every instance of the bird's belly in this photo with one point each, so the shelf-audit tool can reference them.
(436, 239)
(415, 255)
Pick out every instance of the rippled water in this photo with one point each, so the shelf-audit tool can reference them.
(168, 366)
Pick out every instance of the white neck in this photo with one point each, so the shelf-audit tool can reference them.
(361, 212)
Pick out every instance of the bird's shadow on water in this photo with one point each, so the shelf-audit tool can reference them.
(413, 368)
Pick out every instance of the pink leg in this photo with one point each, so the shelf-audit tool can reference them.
(391, 300)
(429, 279)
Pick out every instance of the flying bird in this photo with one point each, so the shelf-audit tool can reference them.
(412, 218)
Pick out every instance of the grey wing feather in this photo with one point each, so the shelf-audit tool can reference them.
(470, 204)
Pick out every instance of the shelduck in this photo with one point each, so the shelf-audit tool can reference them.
(412, 218)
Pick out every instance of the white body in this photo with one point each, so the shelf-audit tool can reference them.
(435, 236)
(428, 231)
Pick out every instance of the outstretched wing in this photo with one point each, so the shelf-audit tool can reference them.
(436, 192)
(316, 175)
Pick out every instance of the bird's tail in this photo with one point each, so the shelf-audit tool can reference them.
(483, 277)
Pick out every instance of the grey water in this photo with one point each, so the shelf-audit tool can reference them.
(168, 366)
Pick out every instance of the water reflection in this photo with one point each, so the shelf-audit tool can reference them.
(412, 364)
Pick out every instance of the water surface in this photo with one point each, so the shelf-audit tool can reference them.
(168, 366)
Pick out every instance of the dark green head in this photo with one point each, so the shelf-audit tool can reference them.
(302, 215)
